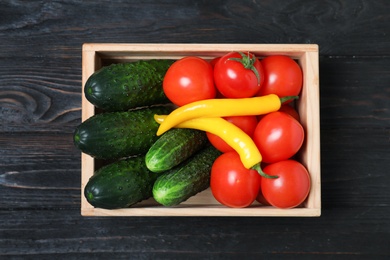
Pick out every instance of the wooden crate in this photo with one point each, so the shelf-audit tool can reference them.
(96, 55)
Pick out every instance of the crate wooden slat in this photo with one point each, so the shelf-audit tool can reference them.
(95, 55)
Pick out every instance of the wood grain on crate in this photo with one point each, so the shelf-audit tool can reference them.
(203, 204)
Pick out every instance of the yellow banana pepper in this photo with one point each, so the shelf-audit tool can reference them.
(221, 108)
(230, 133)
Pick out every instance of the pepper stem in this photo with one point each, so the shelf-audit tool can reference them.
(287, 98)
(257, 168)
(248, 63)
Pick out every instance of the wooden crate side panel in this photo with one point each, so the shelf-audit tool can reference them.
(90, 62)
(310, 118)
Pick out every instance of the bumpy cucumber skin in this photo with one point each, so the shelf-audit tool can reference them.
(187, 179)
(174, 147)
(123, 86)
(120, 184)
(116, 135)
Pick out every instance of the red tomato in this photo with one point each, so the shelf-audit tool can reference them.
(290, 110)
(189, 79)
(231, 183)
(282, 76)
(236, 80)
(290, 189)
(246, 123)
(214, 61)
(260, 197)
(286, 108)
(278, 136)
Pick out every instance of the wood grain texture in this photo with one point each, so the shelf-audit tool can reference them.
(57, 29)
(146, 238)
(355, 92)
(40, 105)
(39, 95)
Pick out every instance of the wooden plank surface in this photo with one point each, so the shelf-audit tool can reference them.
(40, 105)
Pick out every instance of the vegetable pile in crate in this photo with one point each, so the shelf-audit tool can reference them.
(200, 130)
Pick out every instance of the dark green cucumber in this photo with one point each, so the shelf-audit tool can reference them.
(119, 134)
(174, 147)
(185, 180)
(120, 184)
(122, 86)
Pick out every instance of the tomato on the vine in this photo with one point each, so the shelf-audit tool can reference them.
(246, 123)
(189, 79)
(291, 187)
(238, 75)
(278, 136)
(282, 76)
(231, 183)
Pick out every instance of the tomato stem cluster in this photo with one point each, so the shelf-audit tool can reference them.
(248, 63)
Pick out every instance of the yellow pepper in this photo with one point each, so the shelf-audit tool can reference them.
(231, 134)
(221, 108)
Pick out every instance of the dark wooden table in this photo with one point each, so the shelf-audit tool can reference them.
(40, 105)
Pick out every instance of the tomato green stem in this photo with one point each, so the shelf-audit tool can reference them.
(288, 98)
(248, 63)
(257, 168)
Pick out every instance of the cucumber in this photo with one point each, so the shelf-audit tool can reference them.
(185, 180)
(123, 86)
(115, 135)
(174, 147)
(120, 184)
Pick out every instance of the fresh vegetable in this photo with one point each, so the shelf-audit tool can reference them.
(282, 76)
(122, 86)
(120, 184)
(292, 186)
(231, 183)
(187, 179)
(118, 134)
(222, 108)
(288, 109)
(214, 61)
(173, 147)
(189, 79)
(245, 123)
(238, 75)
(278, 136)
(244, 116)
(260, 197)
(228, 132)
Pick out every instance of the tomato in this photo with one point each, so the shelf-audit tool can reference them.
(231, 183)
(246, 123)
(260, 198)
(292, 186)
(282, 76)
(290, 110)
(189, 79)
(214, 61)
(235, 80)
(278, 136)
